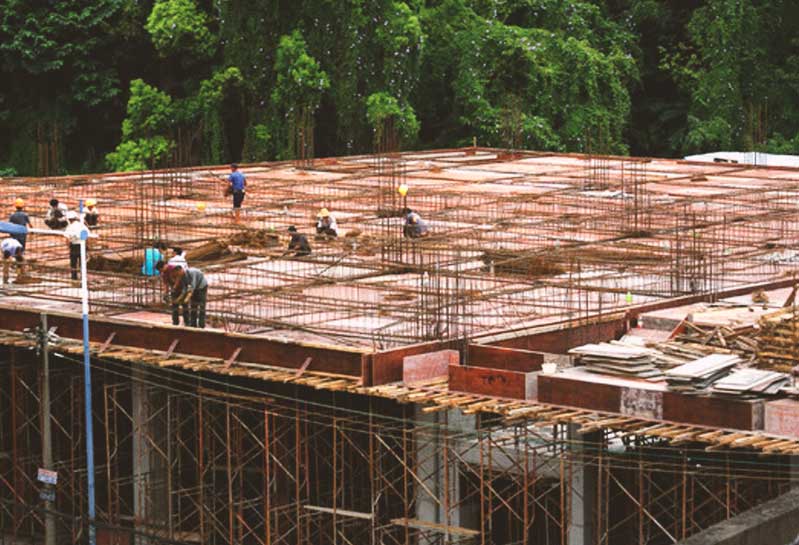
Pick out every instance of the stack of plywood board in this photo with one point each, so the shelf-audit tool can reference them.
(697, 375)
(616, 358)
(752, 383)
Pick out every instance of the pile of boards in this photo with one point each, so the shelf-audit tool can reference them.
(752, 383)
(618, 358)
(778, 340)
(695, 376)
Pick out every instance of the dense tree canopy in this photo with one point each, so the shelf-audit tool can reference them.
(128, 84)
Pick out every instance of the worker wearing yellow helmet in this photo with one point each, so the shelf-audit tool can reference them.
(91, 216)
(19, 217)
(326, 224)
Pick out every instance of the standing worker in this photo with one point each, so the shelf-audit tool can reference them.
(171, 291)
(326, 224)
(91, 217)
(152, 256)
(73, 234)
(298, 243)
(178, 258)
(191, 288)
(237, 188)
(12, 248)
(415, 226)
(19, 217)
(56, 217)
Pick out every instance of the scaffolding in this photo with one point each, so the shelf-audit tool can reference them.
(184, 458)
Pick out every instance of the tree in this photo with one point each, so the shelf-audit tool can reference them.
(57, 65)
(298, 91)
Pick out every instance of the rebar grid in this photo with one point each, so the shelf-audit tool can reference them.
(517, 239)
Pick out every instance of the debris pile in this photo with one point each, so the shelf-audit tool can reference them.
(258, 238)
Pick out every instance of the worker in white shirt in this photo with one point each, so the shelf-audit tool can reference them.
(73, 233)
(326, 223)
(56, 215)
(12, 249)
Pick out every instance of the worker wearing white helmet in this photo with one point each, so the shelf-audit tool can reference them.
(326, 224)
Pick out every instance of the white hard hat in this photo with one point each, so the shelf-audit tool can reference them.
(71, 215)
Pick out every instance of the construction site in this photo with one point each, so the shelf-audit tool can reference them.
(586, 350)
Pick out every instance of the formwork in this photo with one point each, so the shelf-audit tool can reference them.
(286, 436)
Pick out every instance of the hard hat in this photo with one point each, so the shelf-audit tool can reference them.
(201, 206)
(72, 215)
(19, 203)
(402, 189)
(324, 212)
(90, 203)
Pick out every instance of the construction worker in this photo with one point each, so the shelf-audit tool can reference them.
(178, 258)
(326, 224)
(415, 226)
(237, 188)
(56, 217)
(19, 217)
(152, 256)
(190, 288)
(12, 248)
(90, 216)
(73, 233)
(170, 281)
(298, 243)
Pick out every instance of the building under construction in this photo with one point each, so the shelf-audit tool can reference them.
(387, 390)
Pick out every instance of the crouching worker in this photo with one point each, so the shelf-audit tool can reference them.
(326, 224)
(415, 226)
(91, 216)
(299, 243)
(12, 249)
(56, 217)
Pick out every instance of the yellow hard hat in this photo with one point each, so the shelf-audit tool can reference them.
(91, 202)
(19, 203)
(201, 206)
(402, 190)
(324, 212)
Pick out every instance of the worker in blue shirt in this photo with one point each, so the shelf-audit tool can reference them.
(151, 257)
(238, 186)
(19, 217)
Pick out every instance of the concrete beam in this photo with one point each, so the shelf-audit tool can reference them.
(192, 341)
(775, 522)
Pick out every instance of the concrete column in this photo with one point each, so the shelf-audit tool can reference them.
(440, 476)
(150, 497)
(583, 490)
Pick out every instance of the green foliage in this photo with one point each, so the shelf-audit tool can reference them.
(179, 27)
(232, 80)
(139, 154)
(150, 111)
(381, 107)
(300, 79)
(570, 80)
